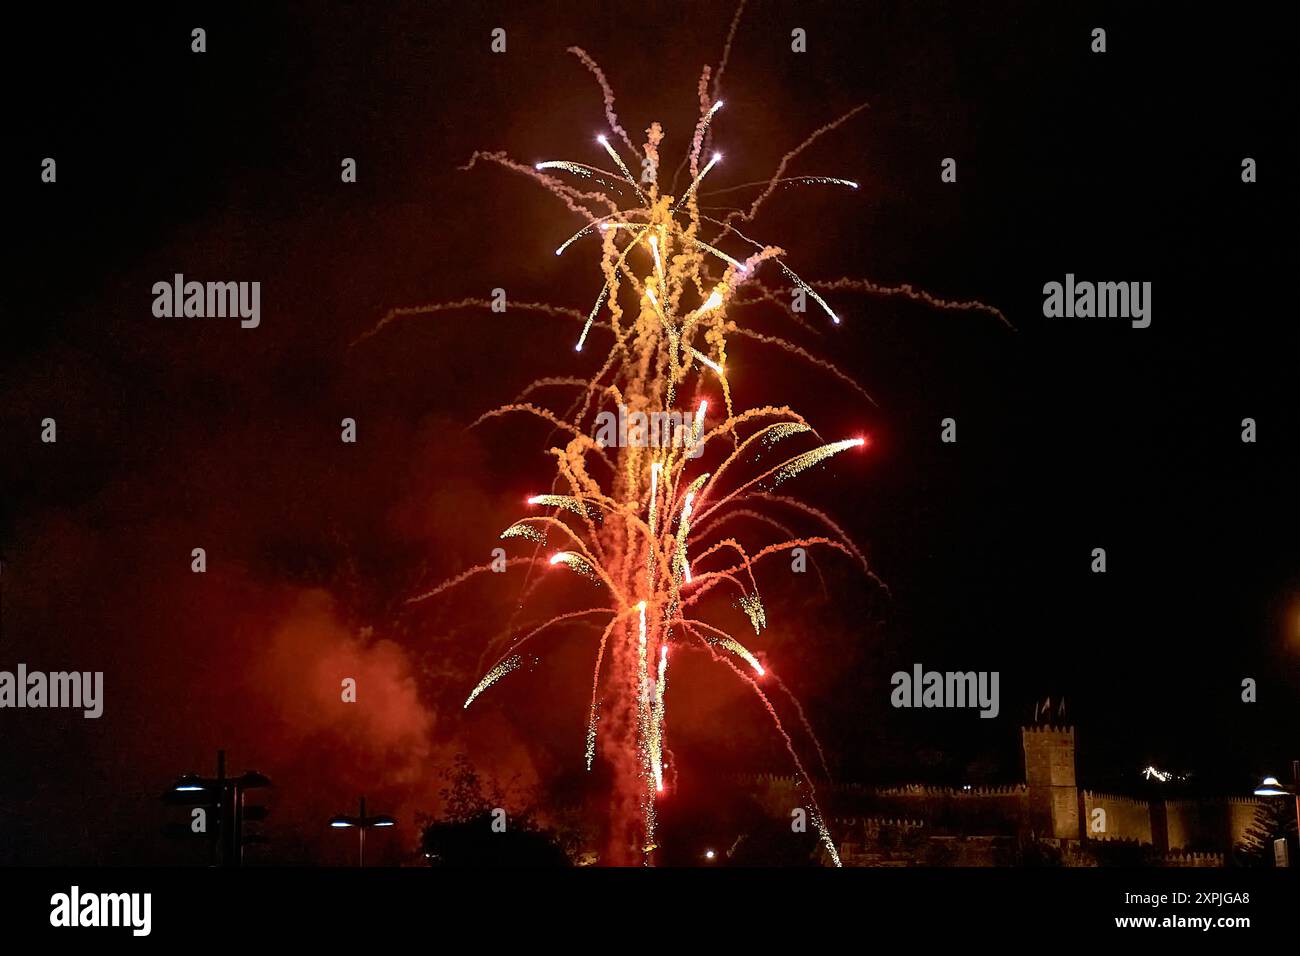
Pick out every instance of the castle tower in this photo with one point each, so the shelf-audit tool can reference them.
(1053, 792)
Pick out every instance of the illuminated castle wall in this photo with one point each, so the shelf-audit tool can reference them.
(985, 825)
(1059, 810)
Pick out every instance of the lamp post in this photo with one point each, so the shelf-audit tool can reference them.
(227, 793)
(1270, 787)
(361, 823)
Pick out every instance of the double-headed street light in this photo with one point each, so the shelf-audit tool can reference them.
(227, 794)
(361, 823)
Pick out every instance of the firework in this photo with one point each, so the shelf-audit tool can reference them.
(642, 520)
(494, 675)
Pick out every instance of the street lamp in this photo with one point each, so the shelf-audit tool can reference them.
(227, 794)
(1271, 787)
(361, 823)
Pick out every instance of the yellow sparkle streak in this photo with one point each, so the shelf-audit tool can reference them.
(657, 741)
(522, 529)
(494, 675)
(626, 172)
(591, 736)
(654, 300)
(809, 458)
(578, 169)
(810, 290)
(740, 266)
(780, 430)
(706, 360)
(741, 651)
(683, 529)
(575, 563)
(655, 468)
(659, 262)
(690, 190)
(752, 605)
(583, 231)
(709, 116)
(644, 716)
(567, 502)
(826, 837)
(600, 300)
(712, 302)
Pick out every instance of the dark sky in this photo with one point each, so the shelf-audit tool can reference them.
(1073, 434)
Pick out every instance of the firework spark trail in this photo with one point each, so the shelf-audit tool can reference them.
(723, 639)
(820, 180)
(567, 502)
(697, 141)
(692, 156)
(627, 173)
(830, 523)
(808, 459)
(572, 198)
(590, 750)
(735, 545)
(492, 676)
(583, 170)
(791, 156)
(822, 830)
(807, 726)
(600, 300)
(806, 356)
(520, 529)
(459, 306)
(706, 581)
(543, 413)
(917, 295)
(735, 514)
(661, 687)
(789, 468)
(585, 231)
(754, 292)
(690, 190)
(752, 605)
(604, 292)
(578, 564)
(545, 625)
(465, 576)
(762, 435)
(558, 380)
(726, 48)
(608, 93)
(772, 252)
(810, 291)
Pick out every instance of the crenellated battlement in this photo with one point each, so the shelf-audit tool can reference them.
(925, 790)
(1207, 801)
(1095, 797)
(876, 823)
(1044, 729)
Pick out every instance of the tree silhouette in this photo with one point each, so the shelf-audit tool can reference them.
(475, 829)
(1275, 820)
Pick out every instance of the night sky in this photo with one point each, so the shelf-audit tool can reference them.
(1072, 433)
